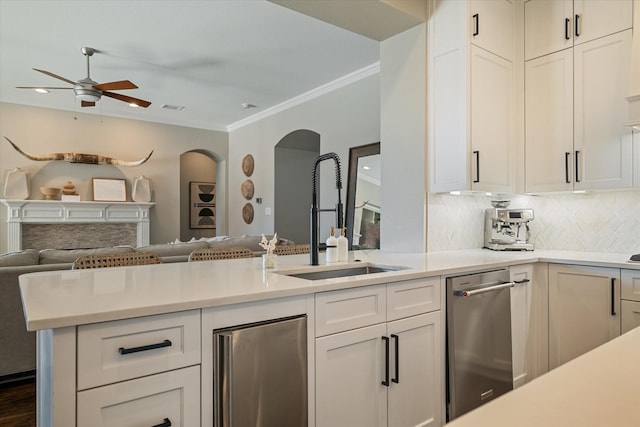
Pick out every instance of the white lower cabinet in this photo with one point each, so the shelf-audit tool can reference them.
(167, 399)
(584, 310)
(529, 322)
(389, 373)
(630, 305)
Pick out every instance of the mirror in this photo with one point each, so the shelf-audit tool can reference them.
(363, 209)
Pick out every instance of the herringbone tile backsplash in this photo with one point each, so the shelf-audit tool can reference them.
(597, 222)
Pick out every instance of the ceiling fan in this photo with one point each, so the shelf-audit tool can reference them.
(89, 91)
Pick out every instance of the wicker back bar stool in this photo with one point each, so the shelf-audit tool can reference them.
(295, 249)
(209, 254)
(115, 260)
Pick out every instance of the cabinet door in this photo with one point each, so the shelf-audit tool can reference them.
(148, 401)
(492, 23)
(521, 312)
(549, 122)
(599, 18)
(416, 353)
(546, 27)
(630, 315)
(349, 374)
(492, 122)
(602, 142)
(584, 310)
(448, 106)
(631, 285)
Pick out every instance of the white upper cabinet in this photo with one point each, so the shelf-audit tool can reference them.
(551, 26)
(575, 88)
(547, 27)
(491, 21)
(549, 122)
(471, 96)
(603, 145)
(597, 18)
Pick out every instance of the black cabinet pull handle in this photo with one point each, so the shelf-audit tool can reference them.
(567, 21)
(613, 296)
(577, 31)
(386, 362)
(566, 167)
(165, 423)
(165, 343)
(396, 379)
(477, 155)
(476, 24)
(577, 166)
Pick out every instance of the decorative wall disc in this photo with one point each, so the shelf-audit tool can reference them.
(247, 213)
(247, 189)
(247, 165)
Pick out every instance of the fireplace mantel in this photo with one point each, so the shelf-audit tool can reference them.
(54, 212)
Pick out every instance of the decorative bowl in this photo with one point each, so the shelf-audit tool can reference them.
(50, 193)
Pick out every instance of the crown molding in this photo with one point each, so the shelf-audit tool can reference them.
(308, 96)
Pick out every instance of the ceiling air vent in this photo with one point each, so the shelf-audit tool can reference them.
(172, 107)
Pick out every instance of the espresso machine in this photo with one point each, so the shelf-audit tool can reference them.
(507, 229)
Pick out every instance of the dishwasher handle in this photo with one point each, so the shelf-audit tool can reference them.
(490, 287)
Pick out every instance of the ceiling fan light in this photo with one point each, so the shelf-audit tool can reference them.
(87, 94)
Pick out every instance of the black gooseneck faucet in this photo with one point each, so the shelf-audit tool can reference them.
(315, 211)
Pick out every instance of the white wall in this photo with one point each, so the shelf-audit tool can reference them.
(344, 118)
(40, 130)
(403, 98)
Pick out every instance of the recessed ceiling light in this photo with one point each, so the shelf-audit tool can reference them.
(366, 168)
(40, 90)
(133, 105)
(247, 105)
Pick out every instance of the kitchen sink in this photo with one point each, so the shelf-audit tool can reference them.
(344, 271)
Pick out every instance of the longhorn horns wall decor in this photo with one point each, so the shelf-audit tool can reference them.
(89, 159)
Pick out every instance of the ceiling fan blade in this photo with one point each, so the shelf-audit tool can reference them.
(41, 87)
(55, 76)
(87, 104)
(129, 99)
(120, 85)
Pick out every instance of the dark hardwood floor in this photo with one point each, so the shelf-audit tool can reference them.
(18, 404)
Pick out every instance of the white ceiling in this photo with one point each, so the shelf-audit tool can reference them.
(209, 56)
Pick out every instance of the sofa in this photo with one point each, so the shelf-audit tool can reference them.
(17, 345)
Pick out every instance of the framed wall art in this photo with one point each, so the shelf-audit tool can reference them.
(202, 207)
(109, 190)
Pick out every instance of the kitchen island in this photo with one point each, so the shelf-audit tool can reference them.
(65, 307)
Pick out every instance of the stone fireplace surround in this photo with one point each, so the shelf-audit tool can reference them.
(69, 225)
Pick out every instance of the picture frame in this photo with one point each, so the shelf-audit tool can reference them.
(109, 190)
(202, 204)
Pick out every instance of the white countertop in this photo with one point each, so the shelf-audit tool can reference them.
(66, 298)
(599, 388)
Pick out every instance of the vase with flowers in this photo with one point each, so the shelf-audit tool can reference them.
(269, 260)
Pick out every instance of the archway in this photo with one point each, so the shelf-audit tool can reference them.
(200, 166)
(294, 155)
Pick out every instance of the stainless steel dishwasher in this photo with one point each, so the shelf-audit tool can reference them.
(260, 374)
(479, 359)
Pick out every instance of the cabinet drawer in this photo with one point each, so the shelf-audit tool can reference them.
(124, 349)
(630, 315)
(631, 285)
(171, 397)
(412, 297)
(339, 311)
